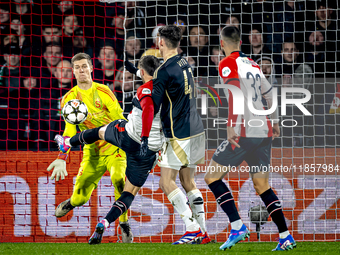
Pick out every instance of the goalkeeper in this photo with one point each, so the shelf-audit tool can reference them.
(141, 137)
(98, 157)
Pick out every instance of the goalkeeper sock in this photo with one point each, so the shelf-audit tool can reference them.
(197, 207)
(120, 206)
(179, 201)
(225, 199)
(274, 209)
(85, 137)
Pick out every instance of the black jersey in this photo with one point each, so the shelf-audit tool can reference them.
(174, 90)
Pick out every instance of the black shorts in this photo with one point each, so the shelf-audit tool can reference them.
(255, 151)
(138, 168)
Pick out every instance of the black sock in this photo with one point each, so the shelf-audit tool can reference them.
(274, 209)
(120, 206)
(225, 199)
(85, 137)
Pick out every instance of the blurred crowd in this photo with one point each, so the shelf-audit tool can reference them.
(296, 43)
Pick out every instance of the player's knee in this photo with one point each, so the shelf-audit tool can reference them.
(101, 132)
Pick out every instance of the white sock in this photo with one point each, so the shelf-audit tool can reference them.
(106, 223)
(179, 202)
(197, 207)
(283, 235)
(67, 141)
(237, 225)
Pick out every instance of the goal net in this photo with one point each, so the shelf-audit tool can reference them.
(296, 44)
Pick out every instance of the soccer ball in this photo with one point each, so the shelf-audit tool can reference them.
(74, 112)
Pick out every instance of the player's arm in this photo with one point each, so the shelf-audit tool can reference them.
(267, 93)
(59, 165)
(148, 111)
(159, 87)
(229, 74)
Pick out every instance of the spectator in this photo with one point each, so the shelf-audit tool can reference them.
(289, 24)
(181, 21)
(4, 15)
(10, 71)
(328, 28)
(257, 47)
(80, 44)
(136, 15)
(64, 75)
(70, 23)
(133, 47)
(266, 64)
(52, 56)
(233, 20)
(315, 53)
(51, 34)
(117, 30)
(9, 36)
(154, 51)
(9, 93)
(198, 48)
(215, 57)
(105, 71)
(125, 99)
(323, 15)
(294, 72)
(65, 6)
(24, 37)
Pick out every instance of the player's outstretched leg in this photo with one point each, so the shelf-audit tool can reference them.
(85, 137)
(97, 235)
(60, 140)
(63, 208)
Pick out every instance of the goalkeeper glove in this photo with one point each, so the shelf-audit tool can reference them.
(59, 166)
(143, 146)
(130, 67)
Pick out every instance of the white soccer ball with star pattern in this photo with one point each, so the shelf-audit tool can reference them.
(74, 112)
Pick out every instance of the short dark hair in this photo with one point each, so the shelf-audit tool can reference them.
(149, 63)
(80, 56)
(231, 34)
(172, 35)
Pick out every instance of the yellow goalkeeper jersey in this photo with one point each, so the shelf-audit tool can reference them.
(103, 108)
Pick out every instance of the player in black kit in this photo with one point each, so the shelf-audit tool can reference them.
(174, 95)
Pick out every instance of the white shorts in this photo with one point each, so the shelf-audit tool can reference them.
(183, 153)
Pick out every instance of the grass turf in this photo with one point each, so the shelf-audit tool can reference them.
(162, 248)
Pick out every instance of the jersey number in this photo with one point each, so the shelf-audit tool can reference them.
(256, 84)
(187, 87)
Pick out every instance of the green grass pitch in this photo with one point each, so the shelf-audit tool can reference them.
(162, 248)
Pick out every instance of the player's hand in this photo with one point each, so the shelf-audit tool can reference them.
(143, 146)
(129, 66)
(59, 166)
(276, 130)
(232, 137)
